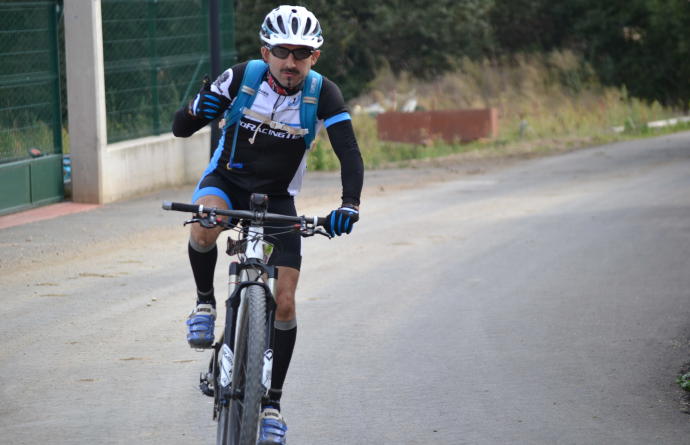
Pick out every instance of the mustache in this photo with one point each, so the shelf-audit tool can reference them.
(289, 71)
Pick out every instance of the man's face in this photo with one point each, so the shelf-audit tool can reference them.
(289, 72)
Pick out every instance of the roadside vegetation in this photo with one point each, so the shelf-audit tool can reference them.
(684, 381)
(547, 103)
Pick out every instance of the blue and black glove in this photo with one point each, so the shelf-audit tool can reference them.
(207, 104)
(341, 220)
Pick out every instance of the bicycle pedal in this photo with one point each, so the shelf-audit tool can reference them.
(205, 385)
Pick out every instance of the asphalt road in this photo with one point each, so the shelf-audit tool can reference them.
(542, 302)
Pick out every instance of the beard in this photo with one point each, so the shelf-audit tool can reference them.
(291, 81)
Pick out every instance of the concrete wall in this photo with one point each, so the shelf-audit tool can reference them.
(103, 172)
(143, 165)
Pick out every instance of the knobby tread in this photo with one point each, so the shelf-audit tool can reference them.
(256, 342)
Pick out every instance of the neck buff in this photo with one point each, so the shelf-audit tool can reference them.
(278, 88)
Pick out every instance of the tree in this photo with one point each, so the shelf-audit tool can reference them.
(360, 36)
(669, 43)
(642, 44)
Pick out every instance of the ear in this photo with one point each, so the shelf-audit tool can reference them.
(315, 57)
(265, 53)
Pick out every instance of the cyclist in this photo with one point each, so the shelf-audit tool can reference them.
(268, 159)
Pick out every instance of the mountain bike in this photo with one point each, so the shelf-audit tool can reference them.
(239, 372)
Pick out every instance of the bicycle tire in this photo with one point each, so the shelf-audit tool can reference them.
(224, 434)
(238, 423)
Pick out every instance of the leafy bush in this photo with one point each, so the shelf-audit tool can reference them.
(684, 381)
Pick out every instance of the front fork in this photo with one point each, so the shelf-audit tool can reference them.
(221, 366)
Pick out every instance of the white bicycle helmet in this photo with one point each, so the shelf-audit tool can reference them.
(291, 25)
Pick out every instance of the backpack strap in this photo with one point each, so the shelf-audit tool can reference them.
(251, 81)
(309, 105)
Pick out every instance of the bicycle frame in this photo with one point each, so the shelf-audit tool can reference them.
(249, 272)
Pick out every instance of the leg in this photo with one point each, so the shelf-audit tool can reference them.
(285, 331)
(288, 258)
(203, 252)
(273, 426)
(202, 257)
(285, 293)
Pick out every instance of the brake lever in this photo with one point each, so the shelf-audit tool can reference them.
(208, 223)
(203, 222)
(320, 231)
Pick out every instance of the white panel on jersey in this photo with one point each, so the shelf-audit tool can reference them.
(279, 108)
(296, 183)
(222, 83)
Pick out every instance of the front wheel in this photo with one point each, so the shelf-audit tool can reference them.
(238, 423)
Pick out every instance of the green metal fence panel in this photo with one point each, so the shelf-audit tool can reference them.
(30, 115)
(15, 183)
(156, 52)
(30, 104)
(46, 179)
(228, 55)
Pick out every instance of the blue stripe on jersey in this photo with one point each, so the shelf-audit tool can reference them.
(344, 116)
(216, 156)
(212, 166)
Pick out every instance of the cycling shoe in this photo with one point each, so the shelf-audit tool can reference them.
(200, 324)
(272, 427)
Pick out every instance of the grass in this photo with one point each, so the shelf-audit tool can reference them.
(546, 103)
(684, 381)
(15, 141)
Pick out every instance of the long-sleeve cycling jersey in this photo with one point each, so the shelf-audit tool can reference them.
(270, 160)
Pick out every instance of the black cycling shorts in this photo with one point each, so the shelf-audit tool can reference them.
(287, 246)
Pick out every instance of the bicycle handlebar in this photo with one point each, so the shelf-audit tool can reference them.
(243, 214)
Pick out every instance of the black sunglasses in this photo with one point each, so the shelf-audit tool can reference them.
(282, 53)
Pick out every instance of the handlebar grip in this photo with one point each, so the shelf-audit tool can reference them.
(321, 221)
(167, 205)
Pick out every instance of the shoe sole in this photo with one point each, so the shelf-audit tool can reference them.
(199, 345)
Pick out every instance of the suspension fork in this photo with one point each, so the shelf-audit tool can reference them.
(240, 277)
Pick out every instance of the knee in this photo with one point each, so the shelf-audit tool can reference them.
(285, 306)
(286, 312)
(202, 240)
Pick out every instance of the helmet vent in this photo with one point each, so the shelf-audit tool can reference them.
(270, 27)
(295, 25)
(281, 25)
(307, 26)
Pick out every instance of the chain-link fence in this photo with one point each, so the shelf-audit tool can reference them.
(156, 53)
(30, 115)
